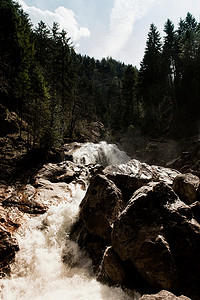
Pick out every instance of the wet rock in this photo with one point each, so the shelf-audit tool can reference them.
(8, 248)
(186, 186)
(163, 295)
(158, 234)
(111, 269)
(101, 206)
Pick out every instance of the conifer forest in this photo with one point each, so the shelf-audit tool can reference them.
(57, 91)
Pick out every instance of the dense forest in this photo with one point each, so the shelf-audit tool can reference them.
(57, 91)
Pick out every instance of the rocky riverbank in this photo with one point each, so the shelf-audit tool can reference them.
(140, 226)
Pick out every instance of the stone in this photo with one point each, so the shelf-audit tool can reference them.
(186, 186)
(111, 269)
(101, 206)
(131, 176)
(163, 295)
(195, 207)
(8, 248)
(157, 232)
(61, 172)
(91, 244)
(25, 200)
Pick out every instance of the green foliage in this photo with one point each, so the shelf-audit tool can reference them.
(169, 77)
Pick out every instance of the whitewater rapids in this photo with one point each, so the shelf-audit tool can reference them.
(49, 266)
(101, 153)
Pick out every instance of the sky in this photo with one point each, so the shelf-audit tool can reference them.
(110, 28)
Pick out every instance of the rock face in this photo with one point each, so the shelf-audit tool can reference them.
(155, 235)
(65, 172)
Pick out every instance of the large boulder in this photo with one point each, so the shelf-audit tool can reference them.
(186, 186)
(131, 176)
(98, 210)
(101, 206)
(158, 234)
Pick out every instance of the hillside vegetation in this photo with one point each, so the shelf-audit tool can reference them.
(60, 93)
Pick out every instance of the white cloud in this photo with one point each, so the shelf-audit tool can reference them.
(65, 17)
(122, 19)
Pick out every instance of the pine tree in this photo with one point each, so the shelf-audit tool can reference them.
(150, 79)
(129, 108)
(188, 89)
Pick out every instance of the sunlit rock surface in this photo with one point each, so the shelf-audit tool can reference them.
(134, 174)
(25, 199)
(163, 295)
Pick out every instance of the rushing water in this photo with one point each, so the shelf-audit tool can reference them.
(102, 153)
(40, 272)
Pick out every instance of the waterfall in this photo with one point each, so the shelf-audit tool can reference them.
(102, 153)
(49, 266)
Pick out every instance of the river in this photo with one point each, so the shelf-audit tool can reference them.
(39, 271)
